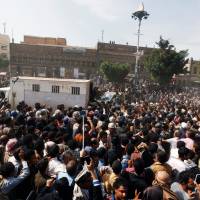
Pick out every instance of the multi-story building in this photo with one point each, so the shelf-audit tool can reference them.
(51, 57)
(5, 57)
(4, 46)
(119, 53)
(195, 72)
(195, 68)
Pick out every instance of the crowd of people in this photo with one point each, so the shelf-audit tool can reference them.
(145, 147)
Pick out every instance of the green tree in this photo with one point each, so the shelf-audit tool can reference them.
(165, 61)
(114, 72)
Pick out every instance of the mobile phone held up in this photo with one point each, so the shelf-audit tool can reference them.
(197, 179)
(87, 159)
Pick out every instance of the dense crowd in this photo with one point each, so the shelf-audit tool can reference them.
(146, 147)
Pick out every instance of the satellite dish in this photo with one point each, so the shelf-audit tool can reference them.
(141, 7)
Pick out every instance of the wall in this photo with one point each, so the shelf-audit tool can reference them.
(4, 45)
(44, 40)
(29, 60)
(23, 90)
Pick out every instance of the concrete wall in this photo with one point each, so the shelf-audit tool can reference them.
(44, 40)
(4, 45)
(23, 92)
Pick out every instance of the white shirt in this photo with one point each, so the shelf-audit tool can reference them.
(174, 153)
(54, 167)
(188, 143)
(173, 142)
(15, 162)
(177, 164)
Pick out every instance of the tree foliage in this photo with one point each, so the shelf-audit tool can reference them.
(114, 72)
(165, 61)
(3, 62)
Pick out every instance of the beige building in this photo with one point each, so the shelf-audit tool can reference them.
(195, 68)
(52, 57)
(195, 72)
(34, 40)
(4, 46)
(192, 78)
(4, 54)
(49, 91)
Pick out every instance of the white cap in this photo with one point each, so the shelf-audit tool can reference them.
(194, 119)
(184, 125)
(112, 119)
(183, 110)
(111, 125)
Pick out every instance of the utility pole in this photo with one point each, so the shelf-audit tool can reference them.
(4, 28)
(139, 15)
(102, 36)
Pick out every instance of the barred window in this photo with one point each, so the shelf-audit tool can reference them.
(36, 88)
(55, 89)
(75, 90)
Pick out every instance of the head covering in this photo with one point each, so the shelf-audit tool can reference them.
(66, 120)
(183, 125)
(47, 145)
(57, 112)
(194, 119)
(112, 119)
(111, 125)
(11, 144)
(157, 125)
(14, 114)
(90, 114)
(162, 177)
(88, 149)
(99, 124)
(76, 114)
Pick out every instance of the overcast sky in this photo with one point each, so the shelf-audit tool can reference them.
(81, 21)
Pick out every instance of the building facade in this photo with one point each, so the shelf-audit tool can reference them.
(51, 60)
(4, 46)
(118, 53)
(5, 57)
(50, 57)
(49, 91)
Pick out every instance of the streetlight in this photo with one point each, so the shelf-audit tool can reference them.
(139, 15)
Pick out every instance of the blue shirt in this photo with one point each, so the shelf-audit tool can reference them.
(65, 175)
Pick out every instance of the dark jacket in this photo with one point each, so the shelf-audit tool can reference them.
(136, 183)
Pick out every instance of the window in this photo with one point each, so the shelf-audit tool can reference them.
(75, 90)
(36, 88)
(195, 70)
(55, 89)
(4, 47)
(41, 71)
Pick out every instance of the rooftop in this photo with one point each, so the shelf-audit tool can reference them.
(51, 79)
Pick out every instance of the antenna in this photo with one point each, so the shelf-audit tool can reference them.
(102, 35)
(4, 27)
(12, 36)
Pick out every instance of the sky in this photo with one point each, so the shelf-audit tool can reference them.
(81, 21)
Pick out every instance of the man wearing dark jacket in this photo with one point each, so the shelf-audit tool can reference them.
(87, 186)
(59, 192)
